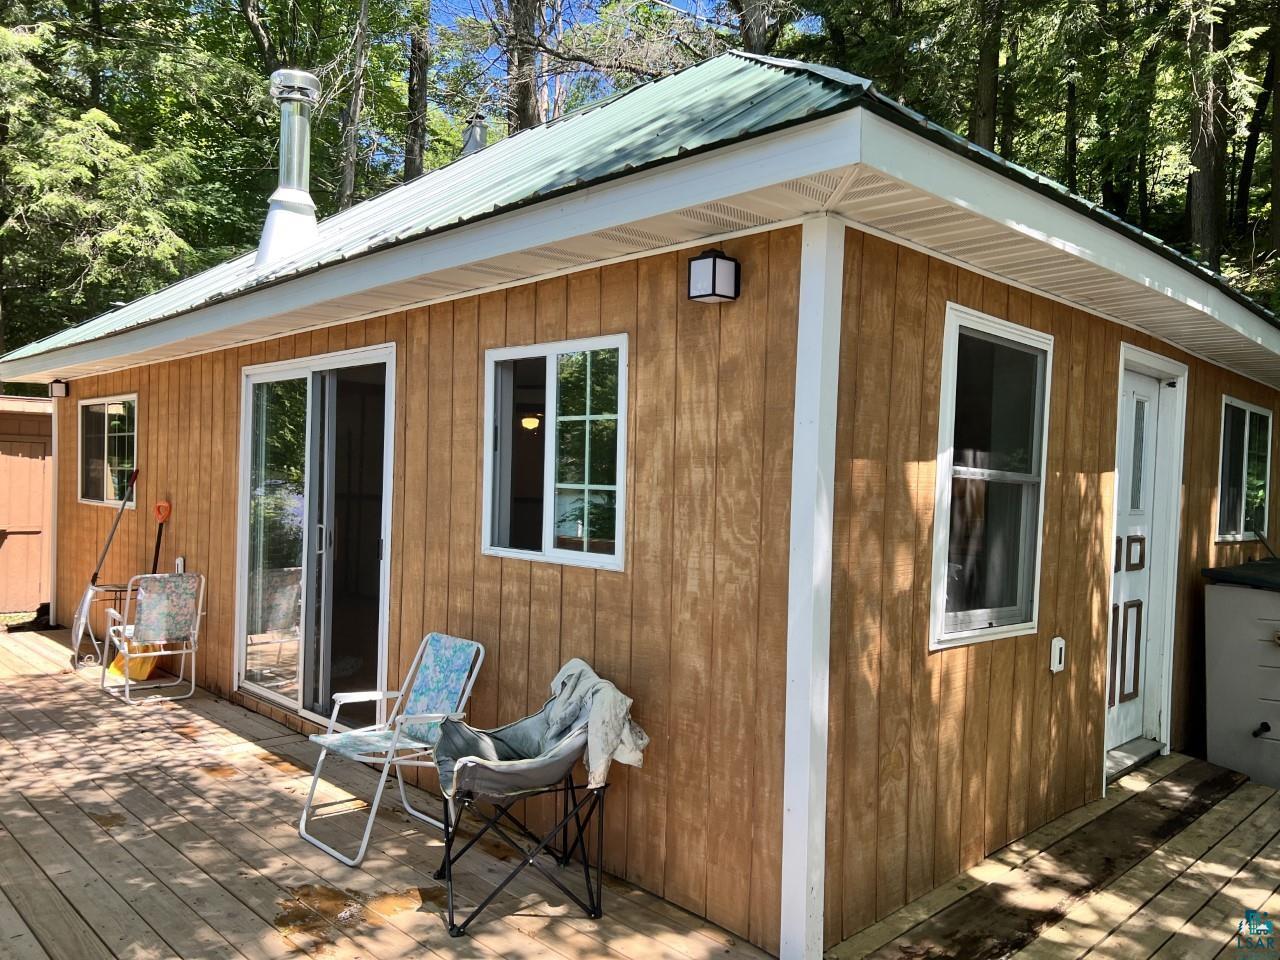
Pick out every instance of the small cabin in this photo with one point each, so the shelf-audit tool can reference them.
(880, 472)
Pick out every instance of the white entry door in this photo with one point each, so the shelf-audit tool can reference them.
(1132, 699)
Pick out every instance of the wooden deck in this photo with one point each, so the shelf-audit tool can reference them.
(169, 830)
(1168, 865)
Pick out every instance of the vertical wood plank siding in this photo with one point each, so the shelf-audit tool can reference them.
(694, 627)
(937, 759)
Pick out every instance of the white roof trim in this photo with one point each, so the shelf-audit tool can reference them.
(736, 169)
(962, 183)
(854, 164)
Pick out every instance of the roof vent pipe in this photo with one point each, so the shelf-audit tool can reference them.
(291, 215)
(476, 136)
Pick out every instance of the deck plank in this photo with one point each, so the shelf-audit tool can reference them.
(1094, 917)
(53, 921)
(1004, 916)
(1002, 862)
(1168, 913)
(17, 941)
(200, 814)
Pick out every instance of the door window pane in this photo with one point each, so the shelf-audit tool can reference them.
(277, 478)
(1136, 462)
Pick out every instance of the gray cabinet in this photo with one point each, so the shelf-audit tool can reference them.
(1242, 675)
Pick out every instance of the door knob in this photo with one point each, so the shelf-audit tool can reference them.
(1263, 727)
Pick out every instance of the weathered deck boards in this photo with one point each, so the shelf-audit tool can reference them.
(169, 830)
(1167, 865)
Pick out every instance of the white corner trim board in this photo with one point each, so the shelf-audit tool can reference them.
(804, 791)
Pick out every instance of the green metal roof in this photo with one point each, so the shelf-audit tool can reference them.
(715, 102)
(720, 101)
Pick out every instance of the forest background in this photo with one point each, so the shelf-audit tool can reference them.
(138, 140)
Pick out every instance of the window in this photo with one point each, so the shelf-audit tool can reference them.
(555, 436)
(1244, 476)
(108, 440)
(990, 489)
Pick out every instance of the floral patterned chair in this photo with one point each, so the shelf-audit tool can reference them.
(436, 688)
(162, 613)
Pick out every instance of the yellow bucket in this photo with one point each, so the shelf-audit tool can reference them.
(140, 668)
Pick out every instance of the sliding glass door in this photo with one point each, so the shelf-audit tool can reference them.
(315, 507)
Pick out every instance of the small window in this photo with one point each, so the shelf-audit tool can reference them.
(1245, 470)
(990, 493)
(555, 439)
(108, 441)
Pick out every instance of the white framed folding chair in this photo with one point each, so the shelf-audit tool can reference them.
(161, 618)
(436, 688)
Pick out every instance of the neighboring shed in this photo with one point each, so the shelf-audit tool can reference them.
(26, 485)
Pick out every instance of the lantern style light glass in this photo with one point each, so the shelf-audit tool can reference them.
(59, 389)
(713, 277)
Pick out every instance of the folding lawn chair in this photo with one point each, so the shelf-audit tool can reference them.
(436, 688)
(587, 719)
(162, 613)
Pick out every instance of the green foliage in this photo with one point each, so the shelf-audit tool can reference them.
(137, 138)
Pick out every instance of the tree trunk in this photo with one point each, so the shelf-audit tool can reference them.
(1009, 98)
(1205, 199)
(982, 126)
(95, 43)
(1244, 183)
(1275, 140)
(267, 52)
(350, 119)
(522, 68)
(4, 218)
(1071, 133)
(415, 139)
(758, 25)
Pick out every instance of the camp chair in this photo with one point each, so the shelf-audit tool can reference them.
(161, 618)
(436, 687)
(503, 767)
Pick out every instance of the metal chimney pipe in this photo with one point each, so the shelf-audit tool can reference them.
(291, 214)
(476, 136)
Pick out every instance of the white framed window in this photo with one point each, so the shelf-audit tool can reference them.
(108, 447)
(555, 450)
(989, 499)
(1244, 477)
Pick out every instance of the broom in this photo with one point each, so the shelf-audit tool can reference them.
(80, 622)
(142, 669)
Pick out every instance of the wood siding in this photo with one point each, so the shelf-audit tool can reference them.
(694, 628)
(937, 759)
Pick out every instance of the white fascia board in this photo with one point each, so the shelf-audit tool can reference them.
(910, 158)
(800, 151)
